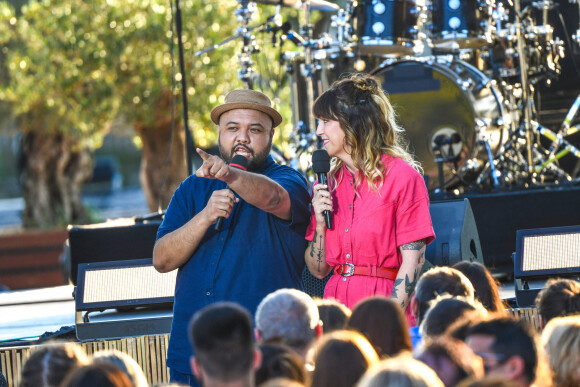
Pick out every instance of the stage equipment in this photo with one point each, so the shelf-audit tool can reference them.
(456, 234)
(499, 215)
(130, 296)
(542, 254)
(470, 131)
(122, 239)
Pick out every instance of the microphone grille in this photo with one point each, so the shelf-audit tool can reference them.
(320, 161)
(240, 162)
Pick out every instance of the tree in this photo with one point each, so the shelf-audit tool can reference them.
(62, 98)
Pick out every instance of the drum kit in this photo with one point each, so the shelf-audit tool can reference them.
(461, 75)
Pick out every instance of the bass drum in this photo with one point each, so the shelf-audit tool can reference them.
(450, 111)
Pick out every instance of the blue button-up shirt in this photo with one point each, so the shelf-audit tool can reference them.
(254, 254)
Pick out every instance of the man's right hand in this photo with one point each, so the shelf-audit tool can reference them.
(221, 203)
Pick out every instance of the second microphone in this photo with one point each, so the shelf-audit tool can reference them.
(321, 166)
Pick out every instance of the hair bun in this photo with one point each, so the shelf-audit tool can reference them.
(364, 83)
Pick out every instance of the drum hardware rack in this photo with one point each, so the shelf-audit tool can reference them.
(518, 159)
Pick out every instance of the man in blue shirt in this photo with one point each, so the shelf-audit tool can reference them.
(260, 247)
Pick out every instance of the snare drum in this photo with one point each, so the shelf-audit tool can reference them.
(449, 109)
(387, 26)
(461, 24)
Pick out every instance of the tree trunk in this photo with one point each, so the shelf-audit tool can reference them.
(54, 170)
(156, 139)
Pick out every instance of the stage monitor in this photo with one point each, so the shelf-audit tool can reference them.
(547, 252)
(123, 284)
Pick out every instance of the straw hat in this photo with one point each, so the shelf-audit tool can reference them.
(247, 99)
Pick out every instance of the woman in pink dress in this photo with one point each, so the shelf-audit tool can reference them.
(377, 197)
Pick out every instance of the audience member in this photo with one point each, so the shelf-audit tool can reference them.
(400, 371)
(436, 282)
(221, 338)
(561, 340)
(279, 361)
(3, 381)
(560, 297)
(488, 381)
(288, 316)
(281, 382)
(97, 375)
(445, 310)
(451, 359)
(507, 347)
(461, 327)
(49, 364)
(382, 321)
(332, 313)
(341, 358)
(125, 363)
(484, 285)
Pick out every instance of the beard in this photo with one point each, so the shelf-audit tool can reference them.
(256, 160)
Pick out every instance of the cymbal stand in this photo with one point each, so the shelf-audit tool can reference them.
(309, 66)
(246, 71)
(526, 97)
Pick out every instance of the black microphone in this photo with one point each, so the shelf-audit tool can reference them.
(321, 166)
(239, 162)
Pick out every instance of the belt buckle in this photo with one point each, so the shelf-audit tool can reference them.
(350, 271)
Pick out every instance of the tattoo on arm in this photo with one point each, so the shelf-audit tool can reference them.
(397, 283)
(417, 245)
(410, 285)
(319, 258)
(312, 245)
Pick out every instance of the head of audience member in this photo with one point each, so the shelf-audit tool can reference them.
(400, 371)
(48, 365)
(436, 282)
(280, 382)
(125, 363)
(332, 313)
(279, 361)
(560, 297)
(223, 347)
(382, 321)
(484, 285)
(445, 310)
(487, 381)
(288, 316)
(508, 348)
(451, 359)
(97, 375)
(341, 358)
(561, 340)
(459, 328)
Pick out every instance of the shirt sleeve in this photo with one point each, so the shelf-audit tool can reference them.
(179, 211)
(413, 220)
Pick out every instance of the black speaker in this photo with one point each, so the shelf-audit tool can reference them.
(110, 241)
(456, 234)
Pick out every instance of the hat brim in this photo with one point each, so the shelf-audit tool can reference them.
(221, 109)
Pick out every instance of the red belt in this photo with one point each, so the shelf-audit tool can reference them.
(348, 269)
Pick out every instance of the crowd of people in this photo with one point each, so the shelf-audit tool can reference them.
(296, 341)
(240, 234)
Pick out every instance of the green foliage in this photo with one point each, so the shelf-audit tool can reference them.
(58, 66)
(72, 66)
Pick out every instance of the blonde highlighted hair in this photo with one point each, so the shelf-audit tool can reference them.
(369, 123)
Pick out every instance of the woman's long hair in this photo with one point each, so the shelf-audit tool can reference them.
(368, 120)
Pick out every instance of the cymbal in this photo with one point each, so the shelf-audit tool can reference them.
(318, 5)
